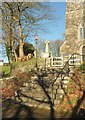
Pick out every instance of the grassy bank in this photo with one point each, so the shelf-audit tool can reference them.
(21, 66)
(27, 65)
(5, 69)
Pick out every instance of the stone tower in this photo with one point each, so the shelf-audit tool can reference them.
(75, 28)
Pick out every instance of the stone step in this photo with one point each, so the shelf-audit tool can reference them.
(30, 98)
(39, 105)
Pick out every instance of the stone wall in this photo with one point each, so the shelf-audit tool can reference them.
(74, 17)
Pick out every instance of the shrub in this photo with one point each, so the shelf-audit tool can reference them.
(8, 91)
(76, 87)
(10, 86)
(82, 67)
(22, 77)
(27, 48)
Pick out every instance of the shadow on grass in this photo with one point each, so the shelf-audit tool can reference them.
(17, 111)
(29, 112)
(76, 112)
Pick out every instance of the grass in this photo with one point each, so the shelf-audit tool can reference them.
(82, 67)
(29, 65)
(5, 69)
(72, 101)
(25, 65)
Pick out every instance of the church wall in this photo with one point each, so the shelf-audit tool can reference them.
(74, 17)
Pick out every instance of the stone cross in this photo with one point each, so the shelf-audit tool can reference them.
(47, 46)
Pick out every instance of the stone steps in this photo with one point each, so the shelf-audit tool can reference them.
(35, 94)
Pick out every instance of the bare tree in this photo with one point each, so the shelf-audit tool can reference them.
(19, 20)
(55, 47)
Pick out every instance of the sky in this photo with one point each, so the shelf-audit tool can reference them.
(57, 27)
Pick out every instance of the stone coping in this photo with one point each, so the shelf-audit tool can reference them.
(7, 78)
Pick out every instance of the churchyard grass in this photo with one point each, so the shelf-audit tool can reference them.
(28, 65)
(25, 65)
(5, 69)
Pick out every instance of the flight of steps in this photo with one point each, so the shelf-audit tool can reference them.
(39, 91)
(33, 93)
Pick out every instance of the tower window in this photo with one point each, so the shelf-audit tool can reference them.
(82, 32)
(81, 35)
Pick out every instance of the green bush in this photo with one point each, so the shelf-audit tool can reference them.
(82, 67)
(27, 48)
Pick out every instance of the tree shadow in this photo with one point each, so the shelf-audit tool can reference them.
(45, 87)
(76, 112)
(21, 111)
(42, 85)
(23, 107)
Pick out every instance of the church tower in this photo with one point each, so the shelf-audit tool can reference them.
(75, 28)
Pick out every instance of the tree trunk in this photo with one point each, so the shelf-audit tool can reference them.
(16, 57)
(21, 52)
(9, 46)
(13, 46)
(10, 58)
(10, 40)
